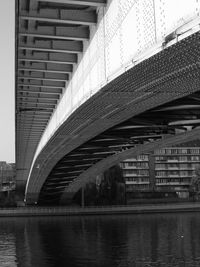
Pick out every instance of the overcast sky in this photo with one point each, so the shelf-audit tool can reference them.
(7, 114)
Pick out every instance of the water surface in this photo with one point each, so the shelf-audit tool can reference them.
(121, 240)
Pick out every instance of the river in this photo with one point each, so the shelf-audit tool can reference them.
(120, 240)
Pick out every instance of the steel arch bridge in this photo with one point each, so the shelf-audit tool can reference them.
(151, 101)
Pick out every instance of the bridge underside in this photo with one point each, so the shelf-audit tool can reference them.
(50, 36)
(157, 97)
(179, 116)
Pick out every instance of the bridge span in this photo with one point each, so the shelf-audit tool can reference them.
(97, 80)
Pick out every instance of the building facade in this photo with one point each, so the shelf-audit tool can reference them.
(166, 170)
(7, 176)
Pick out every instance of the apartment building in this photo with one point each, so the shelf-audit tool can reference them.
(166, 170)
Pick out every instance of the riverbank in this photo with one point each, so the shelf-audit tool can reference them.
(105, 210)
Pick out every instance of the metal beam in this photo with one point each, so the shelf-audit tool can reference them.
(24, 116)
(51, 66)
(40, 86)
(21, 133)
(38, 108)
(43, 70)
(28, 135)
(73, 47)
(194, 97)
(35, 118)
(97, 3)
(40, 79)
(53, 97)
(71, 16)
(47, 49)
(34, 130)
(34, 124)
(177, 107)
(35, 107)
(26, 107)
(38, 101)
(29, 139)
(37, 121)
(49, 111)
(52, 92)
(61, 33)
(45, 61)
(32, 119)
(41, 82)
(54, 57)
(34, 139)
(40, 112)
(36, 115)
(34, 74)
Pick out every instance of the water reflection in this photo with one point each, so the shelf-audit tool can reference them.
(134, 240)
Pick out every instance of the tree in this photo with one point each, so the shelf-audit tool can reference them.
(195, 183)
(107, 190)
(114, 184)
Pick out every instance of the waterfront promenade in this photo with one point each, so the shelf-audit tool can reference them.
(104, 210)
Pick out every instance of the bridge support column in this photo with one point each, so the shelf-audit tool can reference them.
(20, 189)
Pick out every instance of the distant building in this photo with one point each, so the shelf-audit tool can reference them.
(7, 176)
(136, 173)
(166, 170)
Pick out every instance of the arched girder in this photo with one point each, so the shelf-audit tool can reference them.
(128, 136)
(91, 173)
(159, 80)
(68, 189)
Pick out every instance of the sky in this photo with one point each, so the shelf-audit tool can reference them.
(7, 78)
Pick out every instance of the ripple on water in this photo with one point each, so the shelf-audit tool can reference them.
(167, 240)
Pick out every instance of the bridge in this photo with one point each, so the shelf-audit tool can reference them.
(97, 81)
